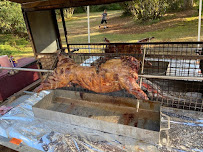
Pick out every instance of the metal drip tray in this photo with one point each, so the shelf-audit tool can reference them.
(115, 115)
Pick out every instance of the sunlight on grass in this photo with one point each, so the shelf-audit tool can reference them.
(188, 19)
(133, 41)
(92, 34)
(189, 38)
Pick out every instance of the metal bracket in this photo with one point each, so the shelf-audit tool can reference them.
(142, 70)
(164, 135)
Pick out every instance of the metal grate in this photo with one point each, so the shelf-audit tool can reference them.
(176, 67)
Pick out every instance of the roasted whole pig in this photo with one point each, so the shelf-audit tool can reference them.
(125, 48)
(113, 75)
(134, 49)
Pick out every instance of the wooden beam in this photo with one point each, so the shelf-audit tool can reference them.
(25, 1)
(53, 4)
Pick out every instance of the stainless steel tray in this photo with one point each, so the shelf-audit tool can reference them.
(115, 115)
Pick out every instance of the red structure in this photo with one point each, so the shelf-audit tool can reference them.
(10, 84)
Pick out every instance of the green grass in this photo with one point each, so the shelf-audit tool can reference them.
(180, 26)
(173, 27)
(15, 46)
(181, 32)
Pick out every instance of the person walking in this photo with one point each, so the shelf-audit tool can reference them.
(104, 18)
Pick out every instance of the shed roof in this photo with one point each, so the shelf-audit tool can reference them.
(55, 4)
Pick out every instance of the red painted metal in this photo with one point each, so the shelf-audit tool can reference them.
(10, 84)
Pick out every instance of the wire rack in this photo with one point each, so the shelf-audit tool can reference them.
(170, 72)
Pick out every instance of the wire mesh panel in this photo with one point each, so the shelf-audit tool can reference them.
(47, 61)
(170, 73)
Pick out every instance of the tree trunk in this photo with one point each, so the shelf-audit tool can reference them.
(188, 4)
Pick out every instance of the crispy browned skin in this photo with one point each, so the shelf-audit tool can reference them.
(114, 75)
(125, 48)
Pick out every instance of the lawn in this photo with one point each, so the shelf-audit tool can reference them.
(181, 26)
(15, 46)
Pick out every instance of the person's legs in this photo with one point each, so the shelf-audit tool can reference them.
(106, 24)
(102, 21)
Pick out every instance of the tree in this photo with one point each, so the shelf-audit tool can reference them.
(147, 9)
(68, 13)
(179, 4)
(127, 8)
(11, 18)
(188, 4)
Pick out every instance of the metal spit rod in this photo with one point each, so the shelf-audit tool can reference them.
(170, 77)
(142, 76)
(25, 69)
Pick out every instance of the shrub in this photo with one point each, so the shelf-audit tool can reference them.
(176, 5)
(98, 8)
(145, 10)
(80, 9)
(11, 18)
